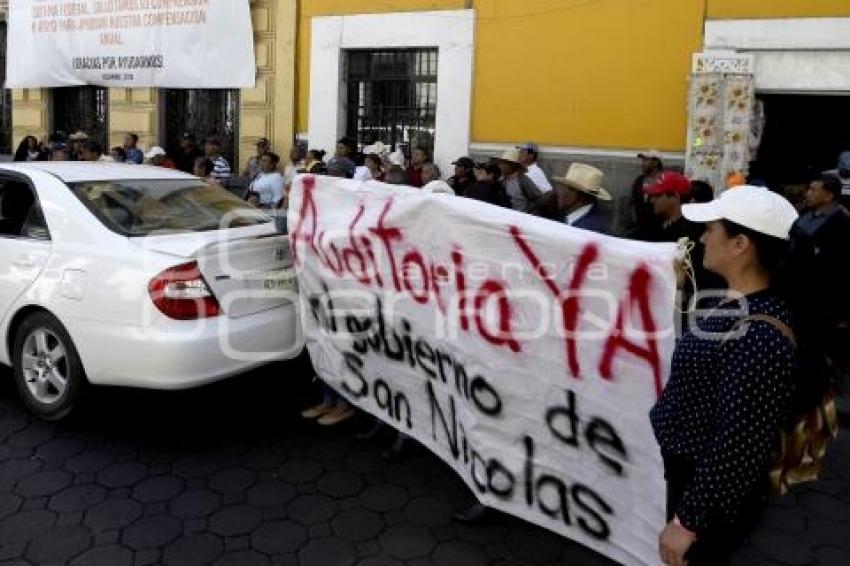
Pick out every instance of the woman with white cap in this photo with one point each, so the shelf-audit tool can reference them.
(733, 381)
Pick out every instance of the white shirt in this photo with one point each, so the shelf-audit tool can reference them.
(578, 214)
(362, 173)
(538, 177)
(438, 187)
(269, 186)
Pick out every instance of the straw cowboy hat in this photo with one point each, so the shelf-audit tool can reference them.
(585, 179)
(79, 135)
(155, 151)
(512, 156)
(378, 148)
(396, 158)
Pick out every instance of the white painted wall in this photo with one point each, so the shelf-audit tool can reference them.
(806, 55)
(451, 31)
(773, 34)
(575, 153)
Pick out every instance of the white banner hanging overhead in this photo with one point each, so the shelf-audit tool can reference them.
(130, 43)
(524, 353)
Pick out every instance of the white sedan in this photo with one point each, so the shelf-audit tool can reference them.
(137, 276)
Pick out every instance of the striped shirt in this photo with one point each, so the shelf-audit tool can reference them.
(221, 168)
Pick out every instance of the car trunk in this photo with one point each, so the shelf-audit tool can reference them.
(248, 270)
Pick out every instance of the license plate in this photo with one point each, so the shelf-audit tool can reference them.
(280, 280)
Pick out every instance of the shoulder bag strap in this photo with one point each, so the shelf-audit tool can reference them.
(771, 320)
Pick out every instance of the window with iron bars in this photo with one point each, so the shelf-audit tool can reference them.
(392, 97)
(205, 113)
(82, 108)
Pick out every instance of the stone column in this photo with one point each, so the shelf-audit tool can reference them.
(133, 110)
(30, 114)
(268, 109)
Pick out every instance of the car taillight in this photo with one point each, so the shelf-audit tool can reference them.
(182, 294)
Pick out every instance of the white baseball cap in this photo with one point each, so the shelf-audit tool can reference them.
(756, 208)
(438, 186)
(155, 151)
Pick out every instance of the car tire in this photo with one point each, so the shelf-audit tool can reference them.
(48, 372)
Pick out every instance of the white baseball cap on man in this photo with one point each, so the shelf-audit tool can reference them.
(756, 208)
(155, 151)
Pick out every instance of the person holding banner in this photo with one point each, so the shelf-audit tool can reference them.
(732, 381)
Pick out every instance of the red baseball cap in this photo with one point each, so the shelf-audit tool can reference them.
(669, 182)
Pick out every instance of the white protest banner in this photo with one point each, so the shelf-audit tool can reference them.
(130, 43)
(524, 353)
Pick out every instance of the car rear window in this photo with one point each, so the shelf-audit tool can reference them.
(141, 208)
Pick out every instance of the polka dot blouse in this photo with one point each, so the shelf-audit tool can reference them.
(723, 404)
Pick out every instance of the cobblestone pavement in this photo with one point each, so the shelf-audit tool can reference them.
(228, 474)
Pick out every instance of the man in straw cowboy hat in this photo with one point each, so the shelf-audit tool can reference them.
(577, 198)
(78, 140)
(522, 191)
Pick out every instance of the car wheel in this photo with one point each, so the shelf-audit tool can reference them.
(48, 371)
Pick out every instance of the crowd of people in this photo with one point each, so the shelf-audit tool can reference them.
(717, 419)
(80, 147)
(190, 158)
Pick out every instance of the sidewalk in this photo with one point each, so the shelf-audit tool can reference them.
(811, 524)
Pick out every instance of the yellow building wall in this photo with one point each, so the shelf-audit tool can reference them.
(733, 9)
(609, 74)
(133, 110)
(29, 114)
(605, 74)
(268, 109)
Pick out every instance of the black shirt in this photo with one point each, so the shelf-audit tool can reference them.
(723, 405)
(820, 261)
(186, 161)
(488, 191)
(460, 184)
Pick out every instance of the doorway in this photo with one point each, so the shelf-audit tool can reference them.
(82, 108)
(203, 112)
(803, 135)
